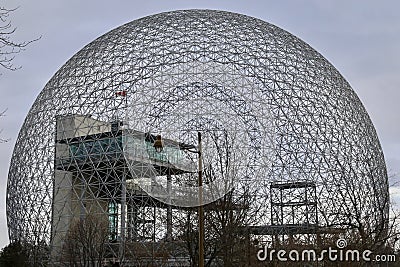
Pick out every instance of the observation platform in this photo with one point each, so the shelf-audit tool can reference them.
(111, 156)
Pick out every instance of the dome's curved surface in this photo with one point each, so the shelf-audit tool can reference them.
(212, 70)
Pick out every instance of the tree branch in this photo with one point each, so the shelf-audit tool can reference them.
(9, 47)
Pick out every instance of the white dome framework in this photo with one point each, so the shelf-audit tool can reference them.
(278, 121)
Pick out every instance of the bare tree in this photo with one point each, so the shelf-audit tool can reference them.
(227, 239)
(227, 220)
(21, 253)
(9, 47)
(15, 254)
(84, 244)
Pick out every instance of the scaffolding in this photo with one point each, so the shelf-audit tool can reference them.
(293, 209)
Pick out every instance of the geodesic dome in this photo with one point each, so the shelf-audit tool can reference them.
(273, 112)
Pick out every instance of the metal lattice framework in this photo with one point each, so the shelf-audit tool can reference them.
(282, 113)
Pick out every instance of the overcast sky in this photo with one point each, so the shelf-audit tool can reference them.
(360, 38)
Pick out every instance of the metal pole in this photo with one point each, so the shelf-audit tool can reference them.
(200, 209)
(169, 207)
(123, 221)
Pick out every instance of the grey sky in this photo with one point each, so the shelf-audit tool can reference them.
(360, 38)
